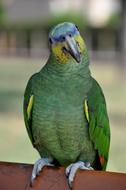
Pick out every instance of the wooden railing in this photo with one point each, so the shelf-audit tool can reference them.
(14, 176)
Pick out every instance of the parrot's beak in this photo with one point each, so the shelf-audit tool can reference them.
(73, 48)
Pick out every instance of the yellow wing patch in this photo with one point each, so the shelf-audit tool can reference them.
(29, 108)
(86, 110)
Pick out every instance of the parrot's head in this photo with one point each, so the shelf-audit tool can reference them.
(66, 43)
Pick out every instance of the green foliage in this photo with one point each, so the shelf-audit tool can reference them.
(1, 13)
(114, 21)
(75, 17)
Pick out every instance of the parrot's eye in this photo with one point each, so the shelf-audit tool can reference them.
(50, 40)
(70, 35)
(62, 38)
(77, 27)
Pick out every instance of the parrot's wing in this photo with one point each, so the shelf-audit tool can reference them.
(27, 107)
(99, 130)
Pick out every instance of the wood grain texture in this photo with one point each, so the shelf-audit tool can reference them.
(16, 176)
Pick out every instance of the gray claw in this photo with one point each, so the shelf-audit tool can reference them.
(39, 164)
(72, 169)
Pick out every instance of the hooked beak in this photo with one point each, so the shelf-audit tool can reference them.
(72, 48)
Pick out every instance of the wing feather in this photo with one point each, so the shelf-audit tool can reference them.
(99, 129)
(28, 107)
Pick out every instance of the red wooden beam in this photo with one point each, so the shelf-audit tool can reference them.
(15, 176)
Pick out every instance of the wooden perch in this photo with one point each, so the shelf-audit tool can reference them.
(15, 176)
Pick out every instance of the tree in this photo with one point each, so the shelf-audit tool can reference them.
(1, 13)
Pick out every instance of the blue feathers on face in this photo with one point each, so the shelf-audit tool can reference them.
(57, 33)
(66, 43)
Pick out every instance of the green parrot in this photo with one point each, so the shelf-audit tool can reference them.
(64, 108)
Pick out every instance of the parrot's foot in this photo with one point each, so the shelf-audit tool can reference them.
(39, 164)
(72, 169)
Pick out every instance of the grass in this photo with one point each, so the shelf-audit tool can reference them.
(14, 143)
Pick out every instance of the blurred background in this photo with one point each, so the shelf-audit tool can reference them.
(24, 26)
